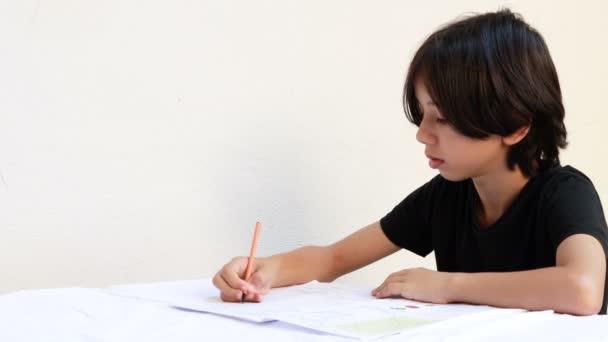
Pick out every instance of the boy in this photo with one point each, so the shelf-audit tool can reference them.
(510, 227)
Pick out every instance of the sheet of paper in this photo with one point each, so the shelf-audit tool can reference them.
(77, 314)
(339, 309)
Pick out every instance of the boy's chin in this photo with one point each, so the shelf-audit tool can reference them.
(452, 177)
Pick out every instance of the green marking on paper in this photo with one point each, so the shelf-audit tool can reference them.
(384, 325)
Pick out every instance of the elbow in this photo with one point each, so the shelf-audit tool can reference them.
(585, 307)
(587, 296)
(589, 305)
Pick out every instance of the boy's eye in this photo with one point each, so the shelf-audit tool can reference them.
(441, 120)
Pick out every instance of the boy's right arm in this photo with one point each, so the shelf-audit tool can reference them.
(304, 264)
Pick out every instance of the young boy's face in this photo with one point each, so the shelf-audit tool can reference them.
(455, 155)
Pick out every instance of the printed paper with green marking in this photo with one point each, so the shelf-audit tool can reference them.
(340, 310)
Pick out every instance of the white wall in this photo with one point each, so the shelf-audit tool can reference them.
(140, 141)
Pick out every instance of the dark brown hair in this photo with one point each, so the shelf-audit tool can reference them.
(492, 74)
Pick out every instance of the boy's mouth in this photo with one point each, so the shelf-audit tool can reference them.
(434, 163)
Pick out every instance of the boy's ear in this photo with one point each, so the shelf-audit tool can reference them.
(516, 136)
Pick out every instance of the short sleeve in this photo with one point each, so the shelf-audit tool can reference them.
(574, 207)
(408, 224)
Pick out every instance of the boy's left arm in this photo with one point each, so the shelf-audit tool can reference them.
(574, 286)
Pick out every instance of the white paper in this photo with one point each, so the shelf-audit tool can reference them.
(93, 315)
(339, 309)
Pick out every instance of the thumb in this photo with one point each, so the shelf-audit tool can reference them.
(260, 282)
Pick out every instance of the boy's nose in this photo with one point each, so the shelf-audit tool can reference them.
(424, 136)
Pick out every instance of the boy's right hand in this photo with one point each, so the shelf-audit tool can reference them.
(229, 280)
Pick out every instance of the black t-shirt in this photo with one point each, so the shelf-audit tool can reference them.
(553, 205)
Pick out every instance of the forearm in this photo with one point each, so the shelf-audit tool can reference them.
(553, 288)
(303, 265)
(330, 262)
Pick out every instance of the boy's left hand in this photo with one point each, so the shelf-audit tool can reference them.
(419, 284)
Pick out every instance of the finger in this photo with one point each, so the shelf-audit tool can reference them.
(389, 279)
(227, 293)
(255, 298)
(231, 296)
(236, 293)
(220, 283)
(248, 289)
(233, 272)
(259, 283)
(382, 292)
(379, 288)
(399, 276)
(379, 293)
(392, 289)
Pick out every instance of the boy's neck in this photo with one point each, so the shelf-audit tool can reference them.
(497, 192)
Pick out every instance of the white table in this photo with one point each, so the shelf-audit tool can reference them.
(96, 315)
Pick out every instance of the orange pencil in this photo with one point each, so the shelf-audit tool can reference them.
(251, 259)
